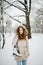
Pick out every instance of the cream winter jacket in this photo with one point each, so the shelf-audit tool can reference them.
(23, 48)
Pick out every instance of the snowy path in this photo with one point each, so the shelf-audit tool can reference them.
(35, 46)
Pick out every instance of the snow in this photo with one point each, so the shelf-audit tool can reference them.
(35, 47)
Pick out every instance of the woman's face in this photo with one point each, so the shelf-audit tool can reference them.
(20, 30)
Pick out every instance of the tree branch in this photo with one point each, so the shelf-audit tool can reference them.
(10, 5)
(21, 2)
(14, 19)
(29, 6)
(16, 1)
(19, 16)
(15, 6)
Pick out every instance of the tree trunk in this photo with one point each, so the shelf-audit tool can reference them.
(27, 19)
(2, 31)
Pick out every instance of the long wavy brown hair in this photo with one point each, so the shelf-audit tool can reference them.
(22, 36)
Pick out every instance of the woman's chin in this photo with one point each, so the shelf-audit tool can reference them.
(20, 33)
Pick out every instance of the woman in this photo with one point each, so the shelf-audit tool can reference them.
(22, 38)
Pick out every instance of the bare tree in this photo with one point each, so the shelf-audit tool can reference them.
(27, 13)
(39, 21)
(25, 10)
(2, 25)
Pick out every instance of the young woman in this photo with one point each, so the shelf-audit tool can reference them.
(22, 38)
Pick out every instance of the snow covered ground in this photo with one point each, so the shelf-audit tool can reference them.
(35, 46)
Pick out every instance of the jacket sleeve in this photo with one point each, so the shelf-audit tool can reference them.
(27, 45)
(14, 40)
